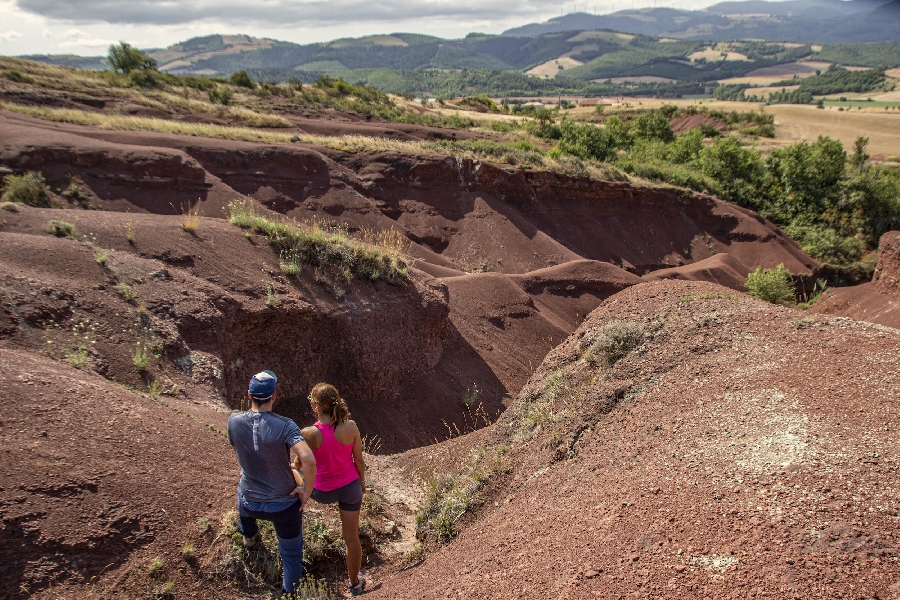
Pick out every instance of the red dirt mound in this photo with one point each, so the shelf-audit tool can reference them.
(710, 461)
(723, 269)
(682, 124)
(877, 301)
(98, 481)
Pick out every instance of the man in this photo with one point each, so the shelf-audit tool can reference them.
(263, 442)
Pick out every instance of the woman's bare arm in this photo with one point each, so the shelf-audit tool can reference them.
(358, 457)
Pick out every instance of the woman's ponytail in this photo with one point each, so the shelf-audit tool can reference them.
(330, 402)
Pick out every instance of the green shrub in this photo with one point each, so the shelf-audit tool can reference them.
(62, 229)
(29, 189)
(772, 285)
(141, 357)
(241, 79)
(219, 95)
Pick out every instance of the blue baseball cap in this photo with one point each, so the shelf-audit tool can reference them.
(262, 385)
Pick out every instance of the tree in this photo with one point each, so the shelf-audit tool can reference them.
(241, 79)
(125, 58)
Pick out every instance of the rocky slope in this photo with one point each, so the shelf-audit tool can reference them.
(740, 449)
(877, 301)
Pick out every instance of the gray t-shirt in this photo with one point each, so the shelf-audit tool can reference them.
(262, 442)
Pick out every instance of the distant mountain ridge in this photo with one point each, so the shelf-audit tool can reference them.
(802, 21)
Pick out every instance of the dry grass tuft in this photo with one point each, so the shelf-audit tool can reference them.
(190, 216)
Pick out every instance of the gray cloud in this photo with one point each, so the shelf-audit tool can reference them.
(274, 12)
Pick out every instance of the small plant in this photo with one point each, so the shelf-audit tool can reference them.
(62, 229)
(449, 496)
(77, 357)
(220, 95)
(290, 263)
(772, 285)
(612, 342)
(371, 444)
(190, 217)
(127, 292)
(100, 257)
(141, 359)
(129, 232)
(156, 567)
(188, 552)
(471, 396)
(271, 296)
(29, 189)
(75, 193)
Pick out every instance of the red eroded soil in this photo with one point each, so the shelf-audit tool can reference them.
(877, 301)
(682, 124)
(709, 462)
(507, 263)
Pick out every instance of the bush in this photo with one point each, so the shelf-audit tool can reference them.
(62, 229)
(241, 79)
(584, 141)
(772, 285)
(219, 95)
(125, 58)
(29, 189)
(612, 342)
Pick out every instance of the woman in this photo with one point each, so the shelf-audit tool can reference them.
(340, 475)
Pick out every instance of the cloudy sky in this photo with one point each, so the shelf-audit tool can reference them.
(88, 27)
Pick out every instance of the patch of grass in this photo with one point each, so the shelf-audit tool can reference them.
(188, 552)
(77, 357)
(100, 257)
(611, 343)
(323, 246)
(29, 189)
(141, 359)
(289, 263)
(128, 293)
(772, 285)
(271, 296)
(706, 296)
(155, 569)
(449, 496)
(533, 411)
(62, 229)
(470, 396)
(76, 194)
(258, 569)
(190, 216)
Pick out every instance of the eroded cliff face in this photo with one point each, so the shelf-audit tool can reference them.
(460, 213)
(887, 273)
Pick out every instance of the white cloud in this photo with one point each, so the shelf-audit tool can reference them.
(276, 12)
(9, 35)
(85, 43)
(72, 33)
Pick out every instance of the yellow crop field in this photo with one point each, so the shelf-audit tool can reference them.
(800, 122)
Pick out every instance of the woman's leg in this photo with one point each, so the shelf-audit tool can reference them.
(350, 531)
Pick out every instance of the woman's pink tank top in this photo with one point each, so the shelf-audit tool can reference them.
(334, 461)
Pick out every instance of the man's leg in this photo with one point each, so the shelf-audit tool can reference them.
(247, 526)
(289, 529)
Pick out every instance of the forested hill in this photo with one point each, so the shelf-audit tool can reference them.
(804, 21)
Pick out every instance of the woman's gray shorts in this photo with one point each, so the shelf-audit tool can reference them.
(348, 497)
